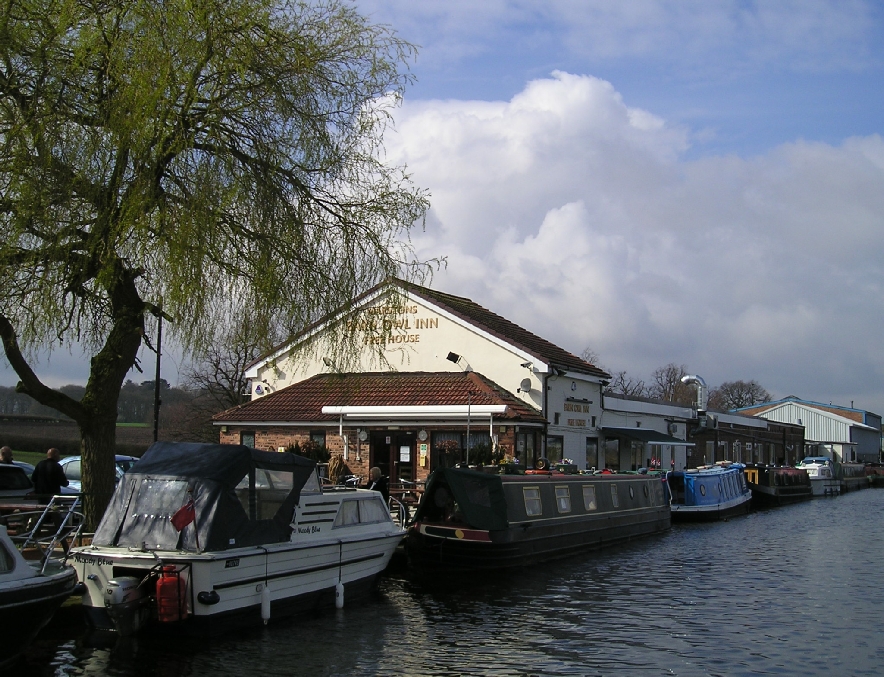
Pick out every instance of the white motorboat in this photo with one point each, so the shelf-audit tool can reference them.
(31, 591)
(200, 537)
(821, 471)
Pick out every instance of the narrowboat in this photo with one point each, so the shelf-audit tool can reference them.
(777, 485)
(709, 492)
(200, 538)
(852, 476)
(821, 471)
(469, 520)
(875, 473)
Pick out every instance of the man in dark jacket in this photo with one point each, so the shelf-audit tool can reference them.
(48, 477)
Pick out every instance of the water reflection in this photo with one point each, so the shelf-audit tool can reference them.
(791, 591)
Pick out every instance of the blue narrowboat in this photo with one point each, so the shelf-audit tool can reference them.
(709, 492)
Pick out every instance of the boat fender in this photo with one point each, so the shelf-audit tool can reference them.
(79, 589)
(265, 603)
(208, 597)
(339, 595)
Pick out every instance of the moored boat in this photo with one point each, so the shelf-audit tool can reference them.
(30, 594)
(777, 485)
(875, 473)
(821, 472)
(200, 538)
(473, 520)
(852, 476)
(709, 492)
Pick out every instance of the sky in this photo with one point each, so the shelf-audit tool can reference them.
(698, 182)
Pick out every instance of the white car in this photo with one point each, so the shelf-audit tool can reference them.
(72, 467)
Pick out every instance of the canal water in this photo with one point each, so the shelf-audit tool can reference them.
(796, 590)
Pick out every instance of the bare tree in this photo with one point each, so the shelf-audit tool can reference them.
(736, 394)
(667, 384)
(623, 384)
(591, 356)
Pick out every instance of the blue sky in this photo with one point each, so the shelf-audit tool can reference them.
(698, 182)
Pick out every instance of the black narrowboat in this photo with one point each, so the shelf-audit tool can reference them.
(473, 520)
(777, 485)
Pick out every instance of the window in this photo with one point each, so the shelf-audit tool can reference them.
(525, 446)
(615, 497)
(592, 452)
(563, 499)
(72, 470)
(589, 497)
(348, 514)
(555, 449)
(533, 506)
(612, 453)
(247, 439)
(373, 510)
(318, 437)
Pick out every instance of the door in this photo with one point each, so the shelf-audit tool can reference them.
(393, 451)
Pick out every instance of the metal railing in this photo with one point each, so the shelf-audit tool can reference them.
(48, 533)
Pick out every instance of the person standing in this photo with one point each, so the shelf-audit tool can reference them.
(6, 455)
(48, 477)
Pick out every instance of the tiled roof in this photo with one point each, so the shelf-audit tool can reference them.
(304, 401)
(502, 328)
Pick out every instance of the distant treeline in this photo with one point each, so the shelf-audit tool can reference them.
(185, 416)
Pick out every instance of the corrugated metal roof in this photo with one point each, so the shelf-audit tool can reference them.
(819, 425)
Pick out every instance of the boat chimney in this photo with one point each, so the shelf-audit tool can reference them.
(702, 390)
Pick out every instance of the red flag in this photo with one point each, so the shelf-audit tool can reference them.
(184, 515)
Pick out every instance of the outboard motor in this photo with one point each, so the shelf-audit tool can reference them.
(127, 604)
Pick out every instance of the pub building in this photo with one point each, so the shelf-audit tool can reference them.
(457, 383)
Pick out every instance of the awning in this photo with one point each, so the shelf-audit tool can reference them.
(647, 435)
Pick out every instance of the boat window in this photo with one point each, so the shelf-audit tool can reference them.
(589, 497)
(702, 489)
(563, 499)
(311, 486)
(348, 514)
(372, 511)
(533, 506)
(631, 492)
(7, 563)
(615, 497)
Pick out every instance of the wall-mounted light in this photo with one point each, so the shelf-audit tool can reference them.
(453, 357)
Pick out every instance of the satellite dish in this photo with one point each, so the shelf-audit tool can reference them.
(363, 435)
(525, 385)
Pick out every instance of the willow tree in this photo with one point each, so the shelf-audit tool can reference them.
(183, 157)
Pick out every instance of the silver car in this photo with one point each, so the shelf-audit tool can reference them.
(73, 470)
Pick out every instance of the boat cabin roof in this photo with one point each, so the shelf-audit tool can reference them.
(227, 485)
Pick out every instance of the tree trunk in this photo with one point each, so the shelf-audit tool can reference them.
(98, 448)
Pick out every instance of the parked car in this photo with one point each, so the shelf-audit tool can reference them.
(72, 467)
(27, 467)
(14, 483)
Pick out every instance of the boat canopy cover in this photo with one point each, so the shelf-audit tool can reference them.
(479, 496)
(162, 482)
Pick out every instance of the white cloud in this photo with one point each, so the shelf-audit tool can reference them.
(567, 211)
